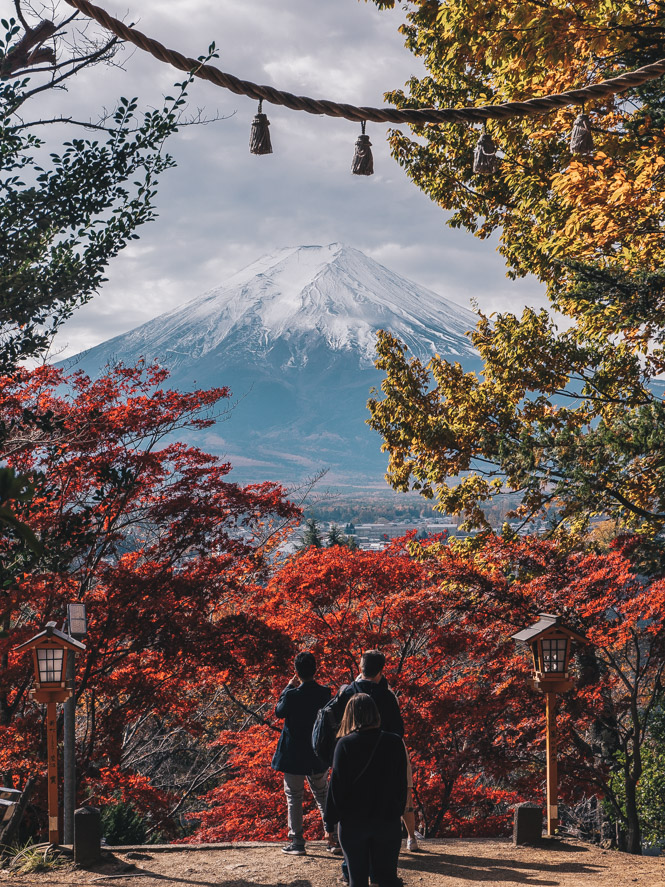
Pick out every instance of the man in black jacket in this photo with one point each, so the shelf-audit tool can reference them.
(372, 681)
(298, 705)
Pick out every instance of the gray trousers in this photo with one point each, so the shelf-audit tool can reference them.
(294, 789)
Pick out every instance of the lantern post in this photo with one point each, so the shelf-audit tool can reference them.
(551, 644)
(50, 651)
(76, 626)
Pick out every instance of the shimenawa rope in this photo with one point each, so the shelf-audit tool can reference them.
(530, 107)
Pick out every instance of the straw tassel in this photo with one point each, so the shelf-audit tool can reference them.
(363, 162)
(485, 161)
(259, 138)
(581, 138)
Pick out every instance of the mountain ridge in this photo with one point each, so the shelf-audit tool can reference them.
(293, 335)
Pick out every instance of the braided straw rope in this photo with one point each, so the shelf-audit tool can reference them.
(531, 107)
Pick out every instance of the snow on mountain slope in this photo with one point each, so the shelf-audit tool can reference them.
(293, 336)
(333, 293)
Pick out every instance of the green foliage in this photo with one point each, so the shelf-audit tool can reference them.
(62, 222)
(336, 537)
(570, 421)
(311, 537)
(651, 796)
(16, 488)
(651, 786)
(122, 824)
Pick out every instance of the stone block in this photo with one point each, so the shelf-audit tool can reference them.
(87, 836)
(527, 824)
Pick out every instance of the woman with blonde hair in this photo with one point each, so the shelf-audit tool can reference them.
(367, 794)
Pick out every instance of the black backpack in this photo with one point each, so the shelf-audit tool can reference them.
(326, 725)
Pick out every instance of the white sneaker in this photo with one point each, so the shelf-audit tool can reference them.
(412, 845)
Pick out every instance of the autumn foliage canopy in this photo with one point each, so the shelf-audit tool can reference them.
(163, 550)
(444, 617)
(567, 417)
(195, 619)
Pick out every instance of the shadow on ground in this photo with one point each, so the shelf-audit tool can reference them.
(485, 868)
(117, 872)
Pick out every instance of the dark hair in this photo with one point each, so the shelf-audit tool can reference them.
(360, 713)
(305, 666)
(372, 663)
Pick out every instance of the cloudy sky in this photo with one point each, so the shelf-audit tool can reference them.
(222, 208)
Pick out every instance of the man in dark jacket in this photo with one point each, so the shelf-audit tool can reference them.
(298, 705)
(372, 681)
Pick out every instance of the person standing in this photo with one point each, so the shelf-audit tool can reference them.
(367, 794)
(298, 705)
(372, 681)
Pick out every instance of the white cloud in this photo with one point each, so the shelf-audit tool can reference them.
(222, 208)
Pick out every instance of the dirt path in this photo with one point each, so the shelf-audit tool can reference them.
(446, 863)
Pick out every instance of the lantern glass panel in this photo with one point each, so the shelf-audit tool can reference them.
(50, 660)
(554, 654)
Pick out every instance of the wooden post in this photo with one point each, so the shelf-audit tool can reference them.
(552, 804)
(68, 755)
(52, 756)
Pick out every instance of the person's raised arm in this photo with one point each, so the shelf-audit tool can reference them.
(283, 704)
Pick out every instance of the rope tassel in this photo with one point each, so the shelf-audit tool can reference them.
(485, 161)
(363, 162)
(259, 138)
(581, 138)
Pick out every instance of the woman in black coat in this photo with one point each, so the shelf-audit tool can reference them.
(367, 794)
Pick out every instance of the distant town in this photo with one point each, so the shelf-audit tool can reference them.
(376, 536)
(370, 522)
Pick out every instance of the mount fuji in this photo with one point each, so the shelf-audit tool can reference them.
(293, 336)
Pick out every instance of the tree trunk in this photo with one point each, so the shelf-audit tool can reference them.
(632, 773)
(448, 786)
(633, 830)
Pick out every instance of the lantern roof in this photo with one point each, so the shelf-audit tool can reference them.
(52, 632)
(545, 624)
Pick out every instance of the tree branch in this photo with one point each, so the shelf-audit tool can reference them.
(249, 711)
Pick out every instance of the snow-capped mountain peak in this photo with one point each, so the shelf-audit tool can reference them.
(300, 295)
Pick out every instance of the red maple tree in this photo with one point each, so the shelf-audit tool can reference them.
(193, 628)
(162, 547)
(445, 619)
